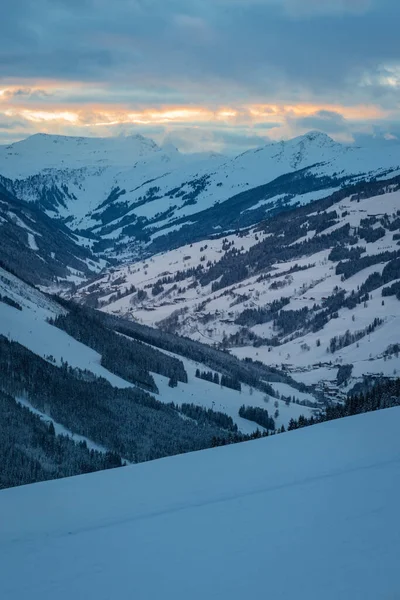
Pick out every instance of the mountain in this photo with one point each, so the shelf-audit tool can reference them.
(76, 381)
(135, 198)
(314, 288)
(273, 314)
(41, 250)
(43, 152)
(203, 343)
(73, 177)
(308, 514)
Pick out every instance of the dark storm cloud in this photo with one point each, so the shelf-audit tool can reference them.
(254, 47)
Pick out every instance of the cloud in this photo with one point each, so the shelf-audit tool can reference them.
(225, 141)
(313, 8)
(11, 124)
(193, 25)
(151, 57)
(242, 47)
(324, 120)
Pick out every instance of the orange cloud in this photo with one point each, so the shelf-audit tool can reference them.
(37, 116)
(106, 115)
(53, 107)
(56, 102)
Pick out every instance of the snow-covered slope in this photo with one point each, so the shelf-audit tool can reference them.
(41, 151)
(223, 399)
(28, 325)
(309, 514)
(30, 328)
(137, 197)
(40, 249)
(72, 177)
(213, 291)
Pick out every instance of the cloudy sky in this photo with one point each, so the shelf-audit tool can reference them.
(202, 74)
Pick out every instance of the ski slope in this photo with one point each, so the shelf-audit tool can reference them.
(310, 514)
(30, 328)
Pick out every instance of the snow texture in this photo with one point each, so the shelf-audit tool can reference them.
(90, 168)
(309, 514)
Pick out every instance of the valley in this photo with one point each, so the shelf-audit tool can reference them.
(278, 303)
(292, 296)
(199, 300)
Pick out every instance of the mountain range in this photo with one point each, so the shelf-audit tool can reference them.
(154, 303)
(131, 198)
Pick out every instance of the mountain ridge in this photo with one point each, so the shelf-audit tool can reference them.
(281, 292)
(129, 203)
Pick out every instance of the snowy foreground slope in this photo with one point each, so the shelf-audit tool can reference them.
(310, 514)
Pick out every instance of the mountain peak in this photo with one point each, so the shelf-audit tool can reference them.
(317, 137)
(47, 151)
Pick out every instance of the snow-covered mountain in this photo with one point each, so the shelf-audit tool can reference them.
(134, 197)
(311, 289)
(41, 250)
(284, 322)
(137, 394)
(308, 514)
(302, 290)
(41, 152)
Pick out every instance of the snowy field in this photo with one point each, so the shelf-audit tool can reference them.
(223, 399)
(311, 514)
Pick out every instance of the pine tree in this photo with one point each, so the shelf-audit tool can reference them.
(173, 381)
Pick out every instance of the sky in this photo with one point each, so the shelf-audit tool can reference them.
(221, 75)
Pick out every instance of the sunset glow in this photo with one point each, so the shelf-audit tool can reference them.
(44, 109)
(224, 75)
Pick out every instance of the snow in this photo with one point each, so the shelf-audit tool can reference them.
(60, 429)
(369, 347)
(286, 390)
(91, 168)
(42, 151)
(46, 340)
(32, 242)
(209, 395)
(30, 328)
(208, 315)
(309, 514)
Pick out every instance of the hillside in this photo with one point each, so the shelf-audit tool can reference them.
(310, 290)
(238, 335)
(134, 198)
(41, 152)
(80, 393)
(320, 505)
(40, 249)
